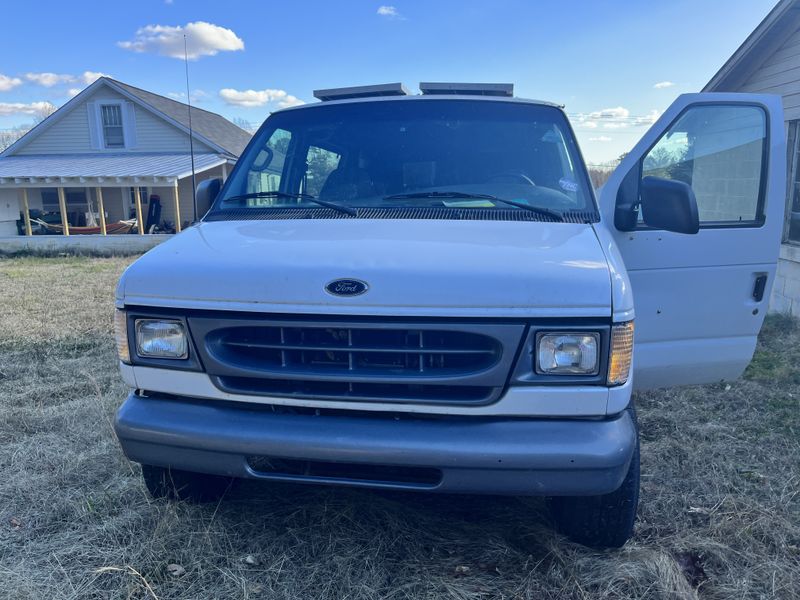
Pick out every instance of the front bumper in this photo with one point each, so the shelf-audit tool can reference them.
(510, 456)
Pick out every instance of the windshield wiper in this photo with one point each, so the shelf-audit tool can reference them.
(546, 212)
(348, 210)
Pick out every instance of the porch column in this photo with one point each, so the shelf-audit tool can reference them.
(26, 212)
(102, 209)
(177, 207)
(224, 172)
(137, 197)
(62, 205)
(126, 203)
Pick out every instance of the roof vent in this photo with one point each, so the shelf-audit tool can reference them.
(468, 89)
(362, 91)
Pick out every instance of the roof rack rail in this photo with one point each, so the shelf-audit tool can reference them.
(361, 91)
(468, 89)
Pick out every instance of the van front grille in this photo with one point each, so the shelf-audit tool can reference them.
(369, 361)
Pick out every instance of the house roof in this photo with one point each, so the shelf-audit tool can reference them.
(210, 125)
(105, 168)
(209, 128)
(781, 22)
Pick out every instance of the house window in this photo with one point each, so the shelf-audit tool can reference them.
(111, 115)
(793, 216)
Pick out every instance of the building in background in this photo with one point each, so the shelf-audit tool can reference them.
(768, 62)
(106, 154)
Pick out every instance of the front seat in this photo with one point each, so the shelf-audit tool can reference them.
(347, 184)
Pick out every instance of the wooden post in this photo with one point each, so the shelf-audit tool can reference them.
(177, 207)
(224, 172)
(26, 212)
(137, 196)
(126, 203)
(62, 205)
(102, 209)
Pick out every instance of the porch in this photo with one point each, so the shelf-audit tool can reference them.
(102, 194)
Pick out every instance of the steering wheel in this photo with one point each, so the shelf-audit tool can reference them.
(513, 175)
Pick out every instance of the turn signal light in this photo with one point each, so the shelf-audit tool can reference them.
(619, 366)
(121, 335)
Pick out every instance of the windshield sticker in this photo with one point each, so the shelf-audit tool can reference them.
(568, 184)
(467, 204)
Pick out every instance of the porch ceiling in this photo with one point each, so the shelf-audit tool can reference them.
(101, 169)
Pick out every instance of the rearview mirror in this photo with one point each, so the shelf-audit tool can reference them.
(207, 191)
(669, 204)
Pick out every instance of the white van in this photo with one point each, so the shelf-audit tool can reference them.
(422, 292)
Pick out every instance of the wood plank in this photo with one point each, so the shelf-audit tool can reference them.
(62, 205)
(137, 196)
(26, 212)
(102, 209)
(177, 207)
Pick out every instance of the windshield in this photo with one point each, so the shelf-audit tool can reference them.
(421, 153)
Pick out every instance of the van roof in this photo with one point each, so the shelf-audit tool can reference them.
(423, 98)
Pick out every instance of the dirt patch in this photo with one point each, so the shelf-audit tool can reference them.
(719, 514)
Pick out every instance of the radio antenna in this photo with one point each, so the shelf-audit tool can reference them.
(191, 134)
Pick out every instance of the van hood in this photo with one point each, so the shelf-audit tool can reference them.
(411, 267)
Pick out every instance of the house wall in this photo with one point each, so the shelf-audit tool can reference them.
(70, 134)
(9, 211)
(780, 74)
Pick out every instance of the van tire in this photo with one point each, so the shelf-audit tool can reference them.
(162, 482)
(604, 521)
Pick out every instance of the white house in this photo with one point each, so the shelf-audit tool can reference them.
(769, 62)
(104, 155)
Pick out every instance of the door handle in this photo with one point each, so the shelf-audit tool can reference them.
(759, 287)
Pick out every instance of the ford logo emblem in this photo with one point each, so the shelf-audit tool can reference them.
(346, 287)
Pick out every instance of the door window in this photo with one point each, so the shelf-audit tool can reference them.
(720, 151)
(319, 164)
(266, 170)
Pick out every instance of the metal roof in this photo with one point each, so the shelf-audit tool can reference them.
(105, 165)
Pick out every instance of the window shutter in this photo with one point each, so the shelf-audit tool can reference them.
(129, 124)
(95, 130)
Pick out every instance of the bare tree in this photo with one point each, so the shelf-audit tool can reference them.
(42, 112)
(9, 136)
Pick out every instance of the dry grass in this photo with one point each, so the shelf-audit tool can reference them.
(719, 510)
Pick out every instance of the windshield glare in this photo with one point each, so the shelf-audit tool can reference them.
(371, 154)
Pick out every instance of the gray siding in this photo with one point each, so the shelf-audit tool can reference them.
(780, 74)
(71, 133)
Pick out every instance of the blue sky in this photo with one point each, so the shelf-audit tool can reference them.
(601, 59)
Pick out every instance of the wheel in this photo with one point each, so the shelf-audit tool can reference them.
(601, 521)
(173, 484)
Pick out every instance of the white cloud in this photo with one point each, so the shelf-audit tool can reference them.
(663, 84)
(49, 79)
(9, 83)
(18, 108)
(647, 119)
(72, 92)
(89, 77)
(390, 12)
(202, 39)
(619, 112)
(600, 138)
(255, 98)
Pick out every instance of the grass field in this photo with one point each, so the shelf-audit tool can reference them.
(719, 512)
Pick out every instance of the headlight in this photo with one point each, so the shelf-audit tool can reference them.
(567, 353)
(161, 338)
(121, 335)
(621, 353)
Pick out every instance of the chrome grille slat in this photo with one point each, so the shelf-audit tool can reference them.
(365, 361)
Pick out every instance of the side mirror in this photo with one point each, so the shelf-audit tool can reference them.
(207, 191)
(669, 204)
